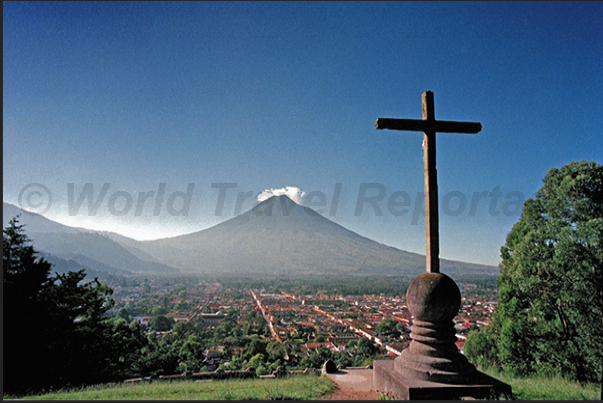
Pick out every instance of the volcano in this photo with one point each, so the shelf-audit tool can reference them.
(279, 236)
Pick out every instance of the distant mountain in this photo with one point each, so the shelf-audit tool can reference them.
(35, 222)
(88, 248)
(93, 268)
(131, 245)
(279, 236)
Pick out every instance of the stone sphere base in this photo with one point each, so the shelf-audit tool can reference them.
(434, 300)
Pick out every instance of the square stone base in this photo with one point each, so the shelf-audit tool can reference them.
(387, 381)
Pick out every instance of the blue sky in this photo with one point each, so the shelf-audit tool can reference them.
(242, 97)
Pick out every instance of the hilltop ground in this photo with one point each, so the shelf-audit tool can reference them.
(352, 384)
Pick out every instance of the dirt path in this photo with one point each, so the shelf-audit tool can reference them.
(352, 384)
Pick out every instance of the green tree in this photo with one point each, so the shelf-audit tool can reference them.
(276, 351)
(317, 358)
(144, 307)
(233, 313)
(127, 342)
(158, 358)
(56, 331)
(257, 346)
(185, 329)
(159, 310)
(550, 315)
(363, 347)
(481, 347)
(319, 339)
(191, 353)
(257, 360)
(223, 330)
(388, 327)
(165, 303)
(161, 323)
(343, 358)
(25, 278)
(124, 314)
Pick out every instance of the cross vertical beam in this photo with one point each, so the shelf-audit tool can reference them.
(432, 234)
(429, 126)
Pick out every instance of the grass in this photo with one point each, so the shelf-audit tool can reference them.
(299, 387)
(547, 388)
(296, 387)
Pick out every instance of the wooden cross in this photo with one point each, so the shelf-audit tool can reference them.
(429, 126)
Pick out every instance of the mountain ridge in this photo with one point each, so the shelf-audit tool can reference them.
(79, 245)
(276, 236)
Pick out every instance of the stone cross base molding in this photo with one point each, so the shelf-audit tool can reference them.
(434, 356)
(391, 383)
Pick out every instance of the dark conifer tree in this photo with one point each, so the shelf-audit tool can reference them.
(56, 331)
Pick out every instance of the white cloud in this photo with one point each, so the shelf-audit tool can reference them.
(292, 192)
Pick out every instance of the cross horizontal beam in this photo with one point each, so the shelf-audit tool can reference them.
(428, 126)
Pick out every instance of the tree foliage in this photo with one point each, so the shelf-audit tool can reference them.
(550, 315)
(388, 328)
(55, 330)
(161, 323)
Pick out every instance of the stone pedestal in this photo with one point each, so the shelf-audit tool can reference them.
(388, 381)
(432, 367)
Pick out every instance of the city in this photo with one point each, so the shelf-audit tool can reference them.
(301, 322)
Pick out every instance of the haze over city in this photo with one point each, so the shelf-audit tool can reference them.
(215, 106)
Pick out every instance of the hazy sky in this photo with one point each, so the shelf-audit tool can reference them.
(193, 101)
